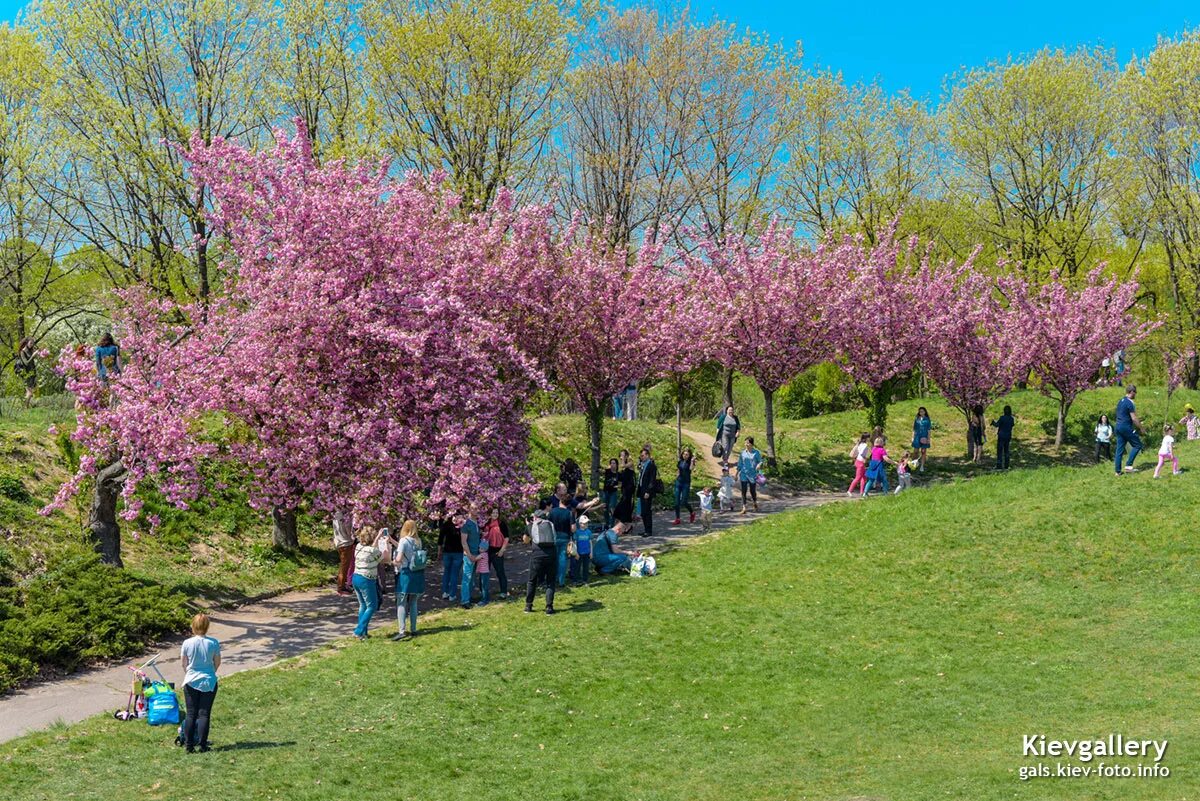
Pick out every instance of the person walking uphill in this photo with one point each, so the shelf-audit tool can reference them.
(728, 428)
(367, 557)
(410, 561)
(200, 656)
(748, 465)
(1127, 426)
(683, 485)
(648, 487)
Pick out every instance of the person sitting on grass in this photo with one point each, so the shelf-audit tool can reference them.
(877, 468)
(1167, 451)
(200, 656)
(608, 555)
(367, 557)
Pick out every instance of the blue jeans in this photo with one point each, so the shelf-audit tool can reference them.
(610, 562)
(406, 611)
(484, 582)
(468, 577)
(561, 575)
(1128, 437)
(610, 505)
(451, 572)
(683, 494)
(875, 483)
(580, 568)
(367, 591)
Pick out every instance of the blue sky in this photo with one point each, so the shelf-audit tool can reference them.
(914, 45)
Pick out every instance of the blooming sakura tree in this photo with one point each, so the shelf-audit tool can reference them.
(1066, 332)
(765, 303)
(344, 364)
(973, 351)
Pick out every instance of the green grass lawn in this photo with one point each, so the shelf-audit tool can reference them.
(896, 648)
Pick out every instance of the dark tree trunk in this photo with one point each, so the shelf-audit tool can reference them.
(283, 532)
(727, 388)
(102, 519)
(1060, 430)
(769, 414)
(595, 420)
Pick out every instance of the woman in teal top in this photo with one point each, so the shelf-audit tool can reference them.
(920, 442)
(747, 467)
(108, 358)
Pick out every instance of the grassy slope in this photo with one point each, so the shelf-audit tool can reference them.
(894, 649)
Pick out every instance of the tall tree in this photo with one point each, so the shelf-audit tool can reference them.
(466, 86)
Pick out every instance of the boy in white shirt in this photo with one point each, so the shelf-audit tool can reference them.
(706, 510)
(726, 493)
(1167, 451)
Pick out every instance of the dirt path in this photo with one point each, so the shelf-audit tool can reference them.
(263, 633)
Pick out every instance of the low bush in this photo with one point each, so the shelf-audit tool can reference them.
(78, 610)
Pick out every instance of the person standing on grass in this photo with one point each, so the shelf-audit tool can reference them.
(859, 454)
(200, 656)
(877, 468)
(495, 531)
(1104, 433)
(410, 580)
(683, 485)
(647, 481)
(975, 433)
(628, 478)
(543, 559)
(580, 566)
(367, 557)
(610, 491)
(564, 529)
(748, 469)
(343, 541)
(1127, 429)
(571, 474)
(1167, 451)
(471, 538)
(450, 549)
(1004, 428)
(1190, 422)
(728, 428)
(922, 427)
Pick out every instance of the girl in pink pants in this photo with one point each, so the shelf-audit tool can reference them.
(1167, 451)
(859, 454)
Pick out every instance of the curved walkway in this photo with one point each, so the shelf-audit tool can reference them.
(263, 633)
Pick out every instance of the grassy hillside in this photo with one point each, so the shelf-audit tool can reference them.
(889, 649)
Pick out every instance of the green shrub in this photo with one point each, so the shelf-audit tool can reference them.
(12, 488)
(80, 609)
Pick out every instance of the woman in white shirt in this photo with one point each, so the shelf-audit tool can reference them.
(1104, 432)
(367, 557)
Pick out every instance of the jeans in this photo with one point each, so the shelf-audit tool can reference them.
(580, 568)
(610, 504)
(451, 573)
(406, 611)
(497, 563)
(609, 563)
(484, 582)
(683, 495)
(199, 708)
(561, 572)
(367, 591)
(1003, 451)
(1103, 446)
(541, 571)
(468, 576)
(1127, 437)
(886, 487)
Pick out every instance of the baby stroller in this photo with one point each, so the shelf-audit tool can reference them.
(152, 698)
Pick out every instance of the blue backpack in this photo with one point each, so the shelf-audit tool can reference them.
(583, 541)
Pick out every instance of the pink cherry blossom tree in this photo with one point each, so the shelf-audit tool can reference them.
(1067, 331)
(765, 304)
(342, 366)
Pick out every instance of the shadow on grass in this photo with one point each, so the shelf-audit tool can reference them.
(253, 746)
(590, 605)
(440, 630)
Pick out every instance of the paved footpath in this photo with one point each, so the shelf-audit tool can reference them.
(263, 633)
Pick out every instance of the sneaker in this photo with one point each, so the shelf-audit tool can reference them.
(1176, 472)
(676, 522)
(691, 517)
(849, 493)
(550, 611)
(529, 610)
(465, 606)
(1130, 468)
(204, 749)
(402, 636)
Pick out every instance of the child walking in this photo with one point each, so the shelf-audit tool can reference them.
(903, 474)
(877, 468)
(726, 494)
(706, 508)
(1167, 451)
(859, 454)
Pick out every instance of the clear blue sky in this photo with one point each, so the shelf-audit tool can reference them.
(915, 45)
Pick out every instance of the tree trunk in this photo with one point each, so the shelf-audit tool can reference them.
(283, 532)
(970, 444)
(595, 420)
(102, 519)
(769, 414)
(876, 403)
(1060, 432)
(678, 424)
(727, 388)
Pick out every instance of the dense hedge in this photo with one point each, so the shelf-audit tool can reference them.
(78, 610)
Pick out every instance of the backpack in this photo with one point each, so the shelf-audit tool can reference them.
(583, 542)
(541, 531)
(658, 488)
(420, 559)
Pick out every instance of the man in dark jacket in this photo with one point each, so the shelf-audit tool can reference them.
(647, 478)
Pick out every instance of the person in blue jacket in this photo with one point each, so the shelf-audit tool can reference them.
(108, 358)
